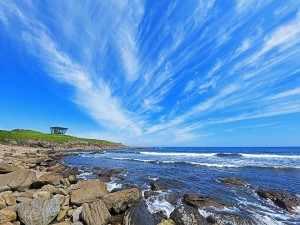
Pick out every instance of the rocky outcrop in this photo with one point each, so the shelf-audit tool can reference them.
(280, 198)
(156, 186)
(185, 215)
(118, 202)
(7, 215)
(202, 202)
(138, 215)
(87, 191)
(18, 180)
(95, 213)
(39, 212)
(228, 218)
(233, 182)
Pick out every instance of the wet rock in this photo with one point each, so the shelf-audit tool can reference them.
(38, 212)
(233, 182)
(280, 198)
(228, 219)
(201, 202)
(18, 180)
(7, 199)
(138, 215)
(118, 202)
(7, 215)
(185, 215)
(149, 194)
(46, 179)
(156, 186)
(87, 191)
(95, 213)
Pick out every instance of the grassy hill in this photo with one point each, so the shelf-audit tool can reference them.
(19, 135)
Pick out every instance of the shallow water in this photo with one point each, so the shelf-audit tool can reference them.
(197, 170)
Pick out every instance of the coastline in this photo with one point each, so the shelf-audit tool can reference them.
(32, 178)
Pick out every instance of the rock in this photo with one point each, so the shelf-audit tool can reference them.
(228, 218)
(77, 223)
(95, 213)
(156, 186)
(60, 191)
(118, 202)
(46, 179)
(149, 194)
(18, 181)
(87, 191)
(38, 212)
(6, 168)
(138, 215)
(62, 214)
(185, 215)
(201, 202)
(72, 179)
(76, 214)
(233, 182)
(7, 215)
(116, 219)
(167, 222)
(280, 198)
(43, 195)
(63, 223)
(7, 199)
(49, 188)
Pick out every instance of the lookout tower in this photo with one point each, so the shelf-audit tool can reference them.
(58, 130)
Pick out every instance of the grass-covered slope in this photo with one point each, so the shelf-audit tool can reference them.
(25, 135)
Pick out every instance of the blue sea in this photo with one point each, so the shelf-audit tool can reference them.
(197, 170)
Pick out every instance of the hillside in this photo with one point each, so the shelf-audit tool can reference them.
(53, 141)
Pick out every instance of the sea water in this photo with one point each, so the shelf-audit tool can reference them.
(198, 170)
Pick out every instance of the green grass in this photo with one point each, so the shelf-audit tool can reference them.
(23, 135)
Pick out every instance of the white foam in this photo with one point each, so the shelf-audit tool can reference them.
(270, 156)
(297, 210)
(214, 165)
(84, 174)
(112, 185)
(204, 213)
(158, 203)
(179, 154)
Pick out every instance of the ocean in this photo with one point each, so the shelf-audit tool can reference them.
(198, 170)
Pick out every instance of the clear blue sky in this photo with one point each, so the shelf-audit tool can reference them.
(162, 73)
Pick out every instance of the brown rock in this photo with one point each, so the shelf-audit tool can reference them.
(18, 180)
(6, 168)
(199, 201)
(7, 199)
(167, 222)
(46, 179)
(49, 187)
(119, 201)
(87, 191)
(95, 213)
(7, 216)
(44, 195)
(62, 214)
(156, 186)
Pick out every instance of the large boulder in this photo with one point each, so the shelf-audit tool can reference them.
(7, 215)
(229, 218)
(38, 212)
(95, 213)
(138, 215)
(87, 191)
(202, 202)
(185, 215)
(280, 198)
(19, 180)
(7, 199)
(45, 179)
(119, 201)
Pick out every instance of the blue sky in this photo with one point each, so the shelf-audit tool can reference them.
(159, 73)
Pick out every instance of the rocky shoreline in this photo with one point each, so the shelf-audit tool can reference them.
(37, 189)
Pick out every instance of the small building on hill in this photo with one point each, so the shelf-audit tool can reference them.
(58, 130)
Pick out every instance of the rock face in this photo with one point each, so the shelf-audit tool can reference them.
(118, 202)
(227, 218)
(6, 199)
(280, 198)
(201, 202)
(156, 186)
(7, 215)
(87, 191)
(18, 180)
(38, 212)
(95, 213)
(138, 215)
(233, 182)
(185, 215)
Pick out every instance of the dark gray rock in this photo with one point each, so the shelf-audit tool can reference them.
(156, 186)
(185, 215)
(137, 216)
(230, 219)
(199, 201)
